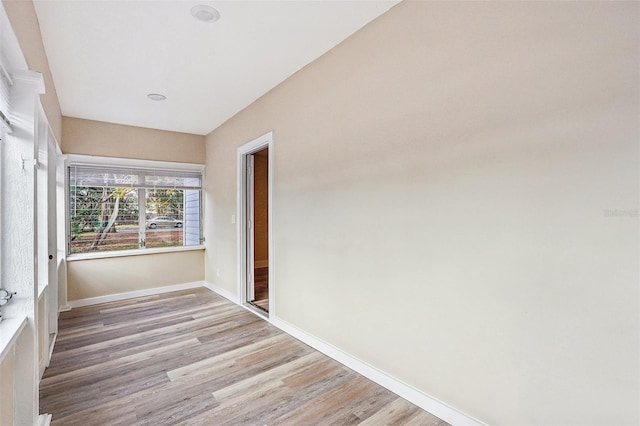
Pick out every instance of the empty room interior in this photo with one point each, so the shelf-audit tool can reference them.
(319, 212)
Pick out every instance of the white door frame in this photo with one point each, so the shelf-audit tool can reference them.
(249, 192)
(264, 141)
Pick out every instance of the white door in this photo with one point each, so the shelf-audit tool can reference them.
(52, 232)
(250, 234)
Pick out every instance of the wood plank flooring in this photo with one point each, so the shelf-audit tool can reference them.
(261, 288)
(194, 358)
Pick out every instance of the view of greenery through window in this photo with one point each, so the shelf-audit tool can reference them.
(111, 217)
(98, 212)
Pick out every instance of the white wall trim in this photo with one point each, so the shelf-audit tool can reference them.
(42, 365)
(44, 419)
(133, 252)
(34, 78)
(264, 141)
(132, 294)
(222, 292)
(53, 344)
(408, 392)
(133, 162)
(233, 298)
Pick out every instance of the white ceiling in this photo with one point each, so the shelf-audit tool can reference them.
(106, 56)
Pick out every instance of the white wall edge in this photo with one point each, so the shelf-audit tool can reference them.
(10, 329)
(222, 292)
(408, 392)
(132, 294)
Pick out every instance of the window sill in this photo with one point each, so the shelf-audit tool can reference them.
(10, 329)
(126, 253)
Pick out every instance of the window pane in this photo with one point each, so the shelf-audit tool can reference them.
(173, 217)
(172, 180)
(165, 218)
(192, 218)
(103, 219)
(103, 176)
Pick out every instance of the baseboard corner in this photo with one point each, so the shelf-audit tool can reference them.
(232, 297)
(133, 294)
(44, 419)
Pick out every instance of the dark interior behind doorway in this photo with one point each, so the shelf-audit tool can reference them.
(261, 229)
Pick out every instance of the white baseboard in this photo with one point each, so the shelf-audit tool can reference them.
(44, 420)
(408, 392)
(42, 365)
(52, 344)
(233, 298)
(222, 292)
(132, 294)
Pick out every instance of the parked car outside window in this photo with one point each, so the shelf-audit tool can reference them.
(163, 222)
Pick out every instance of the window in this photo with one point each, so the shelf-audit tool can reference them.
(114, 207)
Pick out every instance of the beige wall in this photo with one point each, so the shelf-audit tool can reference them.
(24, 22)
(455, 203)
(90, 137)
(102, 277)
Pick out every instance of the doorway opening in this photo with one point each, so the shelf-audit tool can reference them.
(258, 229)
(254, 225)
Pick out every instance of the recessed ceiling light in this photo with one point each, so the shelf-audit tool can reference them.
(205, 13)
(156, 97)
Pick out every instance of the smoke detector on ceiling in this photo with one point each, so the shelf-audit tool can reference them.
(205, 13)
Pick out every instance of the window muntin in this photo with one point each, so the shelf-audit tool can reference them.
(123, 208)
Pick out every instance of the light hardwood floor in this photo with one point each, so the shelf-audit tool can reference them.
(194, 358)
(261, 288)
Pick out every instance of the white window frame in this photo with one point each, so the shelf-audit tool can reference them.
(90, 160)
